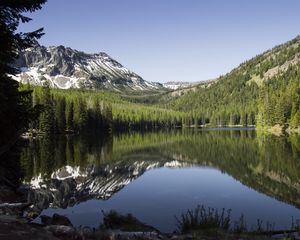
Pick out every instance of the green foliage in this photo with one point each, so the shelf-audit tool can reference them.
(84, 111)
(72, 112)
(46, 120)
(250, 94)
(279, 100)
(228, 101)
(295, 120)
(80, 115)
(15, 113)
(69, 115)
(60, 114)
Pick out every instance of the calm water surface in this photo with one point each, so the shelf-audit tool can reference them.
(157, 176)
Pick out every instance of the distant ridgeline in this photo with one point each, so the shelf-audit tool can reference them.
(264, 91)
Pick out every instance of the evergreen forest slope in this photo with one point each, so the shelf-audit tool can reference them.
(263, 91)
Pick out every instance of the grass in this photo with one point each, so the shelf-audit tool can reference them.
(204, 218)
(240, 226)
(203, 221)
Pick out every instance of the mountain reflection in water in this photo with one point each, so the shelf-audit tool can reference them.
(78, 176)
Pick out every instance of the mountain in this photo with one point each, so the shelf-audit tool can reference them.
(177, 85)
(69, 185)
(63, 67)
(262, 91)
(240, 154)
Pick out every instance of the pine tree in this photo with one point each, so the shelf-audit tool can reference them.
(70, 116)
(279, 112)
(14, 114)
(47, 120)
(295, 120)
(80, 115)
(60, 117)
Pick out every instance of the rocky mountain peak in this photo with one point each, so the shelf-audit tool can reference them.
(64, 67)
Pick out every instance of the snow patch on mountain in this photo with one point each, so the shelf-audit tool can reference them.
(177, 85)
(66, 68)
(70, 185)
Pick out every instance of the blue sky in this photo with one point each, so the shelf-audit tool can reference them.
(170, 40)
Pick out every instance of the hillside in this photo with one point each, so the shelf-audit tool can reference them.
(263, 91)
(65, 68)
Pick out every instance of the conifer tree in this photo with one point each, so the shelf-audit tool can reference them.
(70, 116)
(60, 116)
(14, 114)
(47, 120)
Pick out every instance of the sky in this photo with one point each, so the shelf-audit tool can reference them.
(169, 40)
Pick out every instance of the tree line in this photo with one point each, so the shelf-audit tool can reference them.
(68, 113)
(279, 100)
(263, 91)
(82, 111)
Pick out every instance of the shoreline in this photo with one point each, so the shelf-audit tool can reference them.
(13, 227)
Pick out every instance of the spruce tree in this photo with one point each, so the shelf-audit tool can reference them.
(70, 116)
(47, 120)
(13, 114)
(60, 117)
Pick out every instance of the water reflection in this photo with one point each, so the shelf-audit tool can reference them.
(68, 171)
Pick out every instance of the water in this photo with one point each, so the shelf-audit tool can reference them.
(157, 176)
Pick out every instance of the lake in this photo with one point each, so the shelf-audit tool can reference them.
(157, 176)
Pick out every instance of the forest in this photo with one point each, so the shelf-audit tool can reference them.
(264, 91)
(247, 96)
(82, 111)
